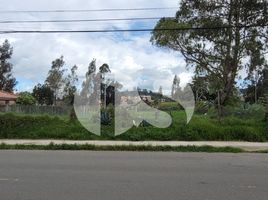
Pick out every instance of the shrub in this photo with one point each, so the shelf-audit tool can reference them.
(200, 128)
(201, 107)
(25, 98)
(243, 111)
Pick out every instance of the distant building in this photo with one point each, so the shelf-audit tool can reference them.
(147, 98)
(127, 100)
(7, 98)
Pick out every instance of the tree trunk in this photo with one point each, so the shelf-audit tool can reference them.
(227, 90)
(105, 96)
(55, 97)
(256, 94)
(219, 106)
(232, 59)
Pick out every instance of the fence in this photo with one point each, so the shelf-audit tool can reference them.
(36, 110)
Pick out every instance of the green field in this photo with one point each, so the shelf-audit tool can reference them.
(201, 127)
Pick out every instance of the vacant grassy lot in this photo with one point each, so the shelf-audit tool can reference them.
(200, 128)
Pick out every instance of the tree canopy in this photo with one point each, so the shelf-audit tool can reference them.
(230, 35)
(26, 98)
(70, 86)
(43, 94)
(7, 80)
(55, 78)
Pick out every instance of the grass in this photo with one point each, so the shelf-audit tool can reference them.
(88, 147)
(200, 128)
(262, 151)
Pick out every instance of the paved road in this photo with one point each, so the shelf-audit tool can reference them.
(39, 175)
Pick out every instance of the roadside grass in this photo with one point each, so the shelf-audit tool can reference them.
(262, 151)
(200, 128)
(143, 148)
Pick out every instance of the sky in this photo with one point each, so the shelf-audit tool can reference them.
(133, 60)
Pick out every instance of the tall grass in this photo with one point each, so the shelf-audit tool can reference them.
(200, 128)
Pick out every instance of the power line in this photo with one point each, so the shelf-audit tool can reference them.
(128, 30)
(79, 20)
(91, 10)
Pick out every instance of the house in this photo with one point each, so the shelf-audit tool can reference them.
(133, 100)
(147, 98)
(7, 98)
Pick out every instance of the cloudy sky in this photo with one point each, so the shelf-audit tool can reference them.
(132, 58)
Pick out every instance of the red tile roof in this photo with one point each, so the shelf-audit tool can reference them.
(7, 96)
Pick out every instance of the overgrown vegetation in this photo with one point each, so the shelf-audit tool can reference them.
(218, 54)
(88, 147)
(202, 127)
(217, 49)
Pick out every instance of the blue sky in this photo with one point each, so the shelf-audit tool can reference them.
(131, 56)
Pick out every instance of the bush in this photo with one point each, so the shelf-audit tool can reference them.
(25, 98)
(201, 107)
(200, 128)
(169, 106)
(105, 118)
(245, 111)
(40, 127)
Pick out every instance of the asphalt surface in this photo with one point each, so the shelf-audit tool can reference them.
(40, 175)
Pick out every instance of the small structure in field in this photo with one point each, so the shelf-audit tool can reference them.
(7, 98)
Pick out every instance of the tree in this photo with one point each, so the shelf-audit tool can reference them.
(200, 87)
(93, 81)
(255, 78)
(43, 94)
(266, 108)
(103, 70)
(26, 98)
(7, 81)
(55, 77)
(160, 91)
(112, 93)
(70, 86)
(88, 82)
(258, 86)
(88, 92)
(233, 31)
(263, 82)
(175, 86)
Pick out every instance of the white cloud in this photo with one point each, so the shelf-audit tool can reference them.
(132, 58)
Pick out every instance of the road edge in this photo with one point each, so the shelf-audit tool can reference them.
(137, 148)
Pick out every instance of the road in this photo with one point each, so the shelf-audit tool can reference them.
(66, 175)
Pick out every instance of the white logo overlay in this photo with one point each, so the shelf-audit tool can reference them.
(129, 107)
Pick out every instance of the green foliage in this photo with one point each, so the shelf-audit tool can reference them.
(7, 81)
(200, 128)
(257, 88)
(105, 118)
(201, 107)
(243, 111)
(26, 98)
(89, 147)
(217, 53)
(55, 78)
(43, 94)
(254, 111)
(70, 86)
(264, 101)
(169, 106)
(41, 127)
